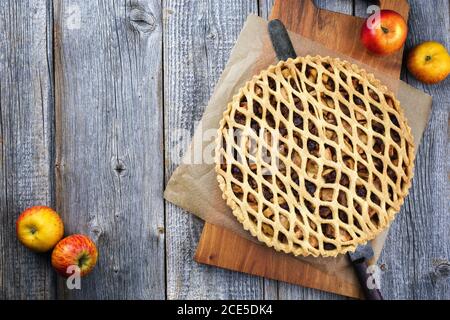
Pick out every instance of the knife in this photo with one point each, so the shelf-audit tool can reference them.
(284, 49)
(359, 259)
(280, 40)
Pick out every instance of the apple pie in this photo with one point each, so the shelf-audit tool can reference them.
(314, 156)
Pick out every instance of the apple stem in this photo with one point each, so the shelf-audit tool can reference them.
(385, 30)
(427, 58)
(82, 260)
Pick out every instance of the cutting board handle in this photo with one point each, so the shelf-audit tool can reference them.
(401, 6)
(393, 4)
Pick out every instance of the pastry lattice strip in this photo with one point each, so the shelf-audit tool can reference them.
(314, 156)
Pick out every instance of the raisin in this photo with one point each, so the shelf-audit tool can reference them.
(309, 206)
(358, 101)
(377, 112)
(378, 164)
(394, 119)
(252, 182)
(239, 118)
(344, 109)
(255, 126)
(257, 109)
(325, 212)
(331, 177)
(375, 199)
(344, 180)
(395, 136)
(267, 193)
(284, 111)
(298, 121)
(272, 84)
(343, 216)
(299, 105)
(312, 128)
(391, 173)
(235, 171)
(295, 178)
(312, 145)
(360, 88)
(270, 120)
(361, 191)
(378, 145)
(378, 127)
(310, 187)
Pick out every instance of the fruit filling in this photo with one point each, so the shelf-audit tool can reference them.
(325, 158)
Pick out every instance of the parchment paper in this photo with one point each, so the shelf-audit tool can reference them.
(194, 187)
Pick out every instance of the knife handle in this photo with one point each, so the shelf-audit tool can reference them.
(363, 277)
(280, 40)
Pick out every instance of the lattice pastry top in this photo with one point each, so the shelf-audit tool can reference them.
(314, 156)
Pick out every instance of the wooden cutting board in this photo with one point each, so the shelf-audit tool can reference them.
(221, 247)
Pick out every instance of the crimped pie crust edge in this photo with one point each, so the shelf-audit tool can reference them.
(248, 225)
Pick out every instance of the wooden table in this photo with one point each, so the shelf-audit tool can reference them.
(98, 101)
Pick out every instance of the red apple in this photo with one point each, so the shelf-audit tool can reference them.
(77, 250)
(384, 32)
(39, 228)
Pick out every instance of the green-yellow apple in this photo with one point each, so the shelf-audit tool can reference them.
(78, 250)
(429, 62)
(39, 228)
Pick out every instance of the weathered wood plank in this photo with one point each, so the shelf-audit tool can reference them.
(108, 76)
(26, 113)
(275, 289)
(397, 283)
(342, 6)
(265, 7)
(198, 37)
(417, 251)
(360, 7)
(422, 269)
(288, 291)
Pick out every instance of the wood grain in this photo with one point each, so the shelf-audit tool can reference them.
(244, 256)
(264, 8)
(291, 291)
(209, 254)
(110, 167)
(198, 37)
(417, 252)
(338, 31)
(282, 290)
(26, 141)
(109, 138)
(434, 271)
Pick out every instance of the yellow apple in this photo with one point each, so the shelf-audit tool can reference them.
(39, 228)
(429, 62)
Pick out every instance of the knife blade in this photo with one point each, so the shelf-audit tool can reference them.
(359, 260)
